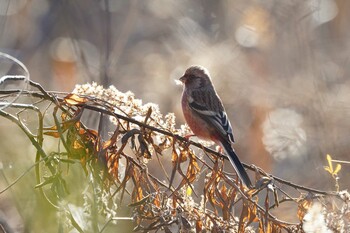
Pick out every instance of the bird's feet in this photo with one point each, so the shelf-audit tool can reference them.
(188, 136)
(187, 139)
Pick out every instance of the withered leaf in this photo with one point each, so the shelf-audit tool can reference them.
(53, 128)
(156, 200)
(199, 226)
(112, 141)
(144, 147)
(113, 165)
(174, 158)
(303, 207)
(244, 216)
(140, 202)
(74, 99)
(52, 134)
(223, 192)
(129, 134)
(148, 114)
(158, 149)
(253, 214)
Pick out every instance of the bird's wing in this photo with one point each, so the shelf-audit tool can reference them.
(218, 119)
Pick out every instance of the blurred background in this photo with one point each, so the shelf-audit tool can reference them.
(280, 67)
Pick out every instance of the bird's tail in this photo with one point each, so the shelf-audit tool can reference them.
(237, 165)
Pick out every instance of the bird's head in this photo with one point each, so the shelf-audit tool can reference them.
(196, 77)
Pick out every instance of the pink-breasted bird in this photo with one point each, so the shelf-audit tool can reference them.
(206, 116)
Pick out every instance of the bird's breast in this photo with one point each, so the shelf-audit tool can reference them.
(198, 126)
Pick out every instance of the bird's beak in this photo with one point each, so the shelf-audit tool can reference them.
(182, 79)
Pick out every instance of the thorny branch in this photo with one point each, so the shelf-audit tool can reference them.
(122, 165)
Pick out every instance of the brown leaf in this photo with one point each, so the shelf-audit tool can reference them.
(253, 217)
(261, 226)
(52, 134)
(52, 128)
(112, 140)
(174, 202)
(174, 159)
(276, 197)
(223, 192)
(211, 184)
(199, 226)
(242, 226)
(156, 201)
(144, 147)
(165, 144)
(74, 99)
(268, 227)
(140, 202)
(91, 132)
(148, 114)
(211, 197)
(192, 169)
(248, 215)
(137, 192)
(225, 202)
(183, 156)
(303, 207)
(191, 173)
(158, 149)
(77, 145)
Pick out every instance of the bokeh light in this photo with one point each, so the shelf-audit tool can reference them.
(281, 69)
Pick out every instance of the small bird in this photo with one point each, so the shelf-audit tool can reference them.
(206, 116)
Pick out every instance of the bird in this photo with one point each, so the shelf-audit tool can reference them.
(205, 114)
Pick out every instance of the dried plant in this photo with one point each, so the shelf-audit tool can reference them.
(147, 166)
